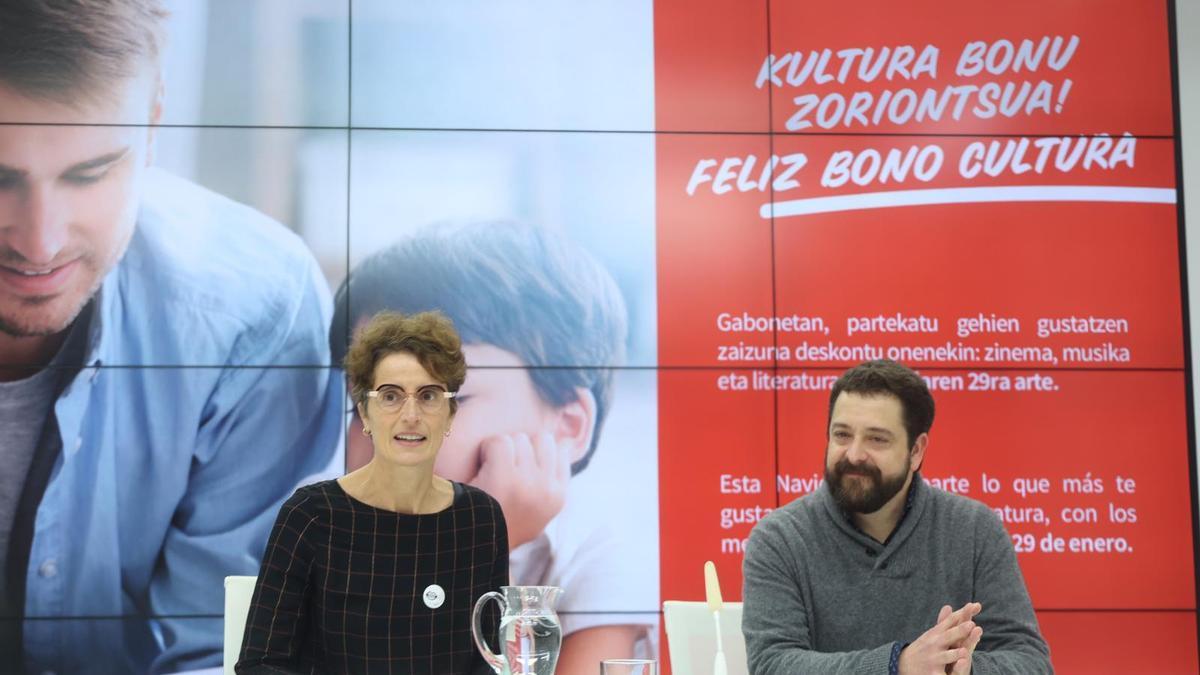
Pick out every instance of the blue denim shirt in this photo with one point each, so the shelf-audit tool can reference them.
(170, 476)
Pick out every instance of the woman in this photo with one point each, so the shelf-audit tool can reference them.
(528, 302)
(377, 571)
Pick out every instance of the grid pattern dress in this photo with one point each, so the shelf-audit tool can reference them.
(342, 586)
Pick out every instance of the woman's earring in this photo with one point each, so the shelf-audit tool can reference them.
(447, 435)
(366, 431)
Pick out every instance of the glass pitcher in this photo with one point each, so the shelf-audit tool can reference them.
(530, 635)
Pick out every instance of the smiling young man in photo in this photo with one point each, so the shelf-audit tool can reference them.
(149, 433)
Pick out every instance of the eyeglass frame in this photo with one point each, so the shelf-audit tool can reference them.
(405, 396)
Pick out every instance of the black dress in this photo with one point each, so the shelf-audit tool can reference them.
(349, 588)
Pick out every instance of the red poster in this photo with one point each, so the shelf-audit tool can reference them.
(985, 193)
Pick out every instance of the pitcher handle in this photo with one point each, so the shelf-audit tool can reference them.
(493, 659)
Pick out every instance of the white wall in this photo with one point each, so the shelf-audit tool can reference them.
(1187, 13)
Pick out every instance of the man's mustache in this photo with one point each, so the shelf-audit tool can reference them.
(844, 468)
(10, 258)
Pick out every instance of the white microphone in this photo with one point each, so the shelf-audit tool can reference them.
(712, 595)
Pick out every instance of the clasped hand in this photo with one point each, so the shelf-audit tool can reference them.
(947, 647)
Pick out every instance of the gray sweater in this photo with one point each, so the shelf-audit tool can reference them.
(822, 597)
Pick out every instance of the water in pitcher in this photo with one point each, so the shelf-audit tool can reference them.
(529, 644)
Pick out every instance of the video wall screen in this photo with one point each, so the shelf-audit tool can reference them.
(987, 195)
(684, 219)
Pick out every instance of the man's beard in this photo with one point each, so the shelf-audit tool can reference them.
(42, 316)
(858, 498)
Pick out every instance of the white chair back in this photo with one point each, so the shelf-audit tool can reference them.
(692, 637)
(238, 591)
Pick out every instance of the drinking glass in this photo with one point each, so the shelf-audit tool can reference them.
(629, 667)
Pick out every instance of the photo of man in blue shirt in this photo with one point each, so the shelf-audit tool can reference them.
(164, 371)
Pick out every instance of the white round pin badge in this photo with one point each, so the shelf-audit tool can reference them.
(433, 596)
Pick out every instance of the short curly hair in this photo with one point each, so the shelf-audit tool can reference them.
(429, 336)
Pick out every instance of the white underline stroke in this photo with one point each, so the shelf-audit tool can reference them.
(967, 195)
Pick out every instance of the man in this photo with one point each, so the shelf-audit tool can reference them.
(864, 574)
(532, 308)
(149, 430)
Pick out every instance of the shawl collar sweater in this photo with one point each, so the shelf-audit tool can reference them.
(820, 596)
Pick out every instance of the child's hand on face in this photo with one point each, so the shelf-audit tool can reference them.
(528, 476)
